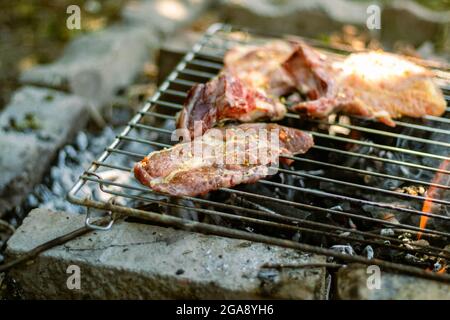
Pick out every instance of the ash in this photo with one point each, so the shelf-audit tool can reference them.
(72, 160)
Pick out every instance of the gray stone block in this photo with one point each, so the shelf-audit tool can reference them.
(352, 285)
(56, 115)
(140, 261)
(35, 124)
(411, 22)
(96, 65)
(400, 19)
(19, 164)
(165, 16)
(306, 17)
(172, 50)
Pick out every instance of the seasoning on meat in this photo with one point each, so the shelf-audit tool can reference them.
(226, 98)
(221, 158)
(376, 85)
(261, 66)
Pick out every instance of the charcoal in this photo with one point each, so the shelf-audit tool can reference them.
(297, 237)
(368, 252)
(437, 267)
(183, 211)
(387, 232)
(412, 258)
(71, 153)
(344, 249)
(81, 141)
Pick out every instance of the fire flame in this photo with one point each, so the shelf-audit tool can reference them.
(432, 194)
(442, 270)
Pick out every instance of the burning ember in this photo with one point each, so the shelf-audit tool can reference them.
(434, 193)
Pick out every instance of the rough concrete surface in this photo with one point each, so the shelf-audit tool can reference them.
(18, 167)
(96, 65)
(428, 25)
(321, 17)
(35, 124)
(140, 261)
(307, 17)
(352, 284)
(164, 16)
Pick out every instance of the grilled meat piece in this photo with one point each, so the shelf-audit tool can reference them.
(221, 158)
(375, 85)
(226, 97)
(261, 66)
(247, 89)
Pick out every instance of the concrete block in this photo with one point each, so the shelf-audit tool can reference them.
(96, 65)
(140, 261)
(352, 285)
(35, 124)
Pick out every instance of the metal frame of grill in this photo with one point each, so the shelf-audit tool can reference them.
(199, 65)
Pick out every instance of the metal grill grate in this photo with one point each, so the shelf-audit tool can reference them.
(366, 157)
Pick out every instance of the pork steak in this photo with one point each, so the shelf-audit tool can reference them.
(221, 158)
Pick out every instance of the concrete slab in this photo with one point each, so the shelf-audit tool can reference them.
(140, 261)
(307, 17)
(96, 65)
(164, 16)
(35, 124)
(352, 285)
(428, 25)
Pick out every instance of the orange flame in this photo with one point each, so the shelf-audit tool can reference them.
(442, 270)
(432, 194)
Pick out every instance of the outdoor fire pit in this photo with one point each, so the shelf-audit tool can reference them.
(364, 193)
(263, 150)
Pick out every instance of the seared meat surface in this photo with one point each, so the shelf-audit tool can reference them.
(221, 158)
(247, 89)
(376, 85)
(261, 66)
(226, 97)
